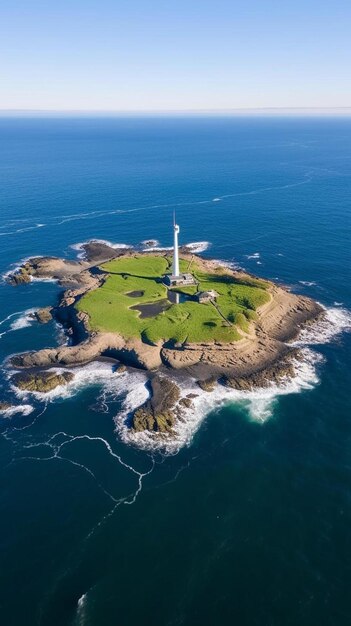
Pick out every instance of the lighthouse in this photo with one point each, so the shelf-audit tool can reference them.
(175, 268)
(177, 278)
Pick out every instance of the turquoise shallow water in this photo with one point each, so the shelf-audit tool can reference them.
(249, 521)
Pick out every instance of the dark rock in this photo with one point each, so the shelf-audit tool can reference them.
(158, 413)
(165, 393)
(120, 369)
(98, 251)
(207, 385)
(145, 419)
(41, 381)
(265, 377)
(187, 402)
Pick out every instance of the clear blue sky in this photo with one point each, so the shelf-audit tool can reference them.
(174, 54)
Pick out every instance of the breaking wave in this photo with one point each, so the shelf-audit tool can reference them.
(198, 246)
(157, 248)
(131, 391)
(148, 244)
(23, 319)
(307, 283)
(259, 403)
(81, 610)
(15, 267)
(25, 409)
(334, 322)
(92, 374)
(43, 279)
(232, 265)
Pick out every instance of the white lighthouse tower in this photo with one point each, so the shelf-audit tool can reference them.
(175, 268)
(177, 278)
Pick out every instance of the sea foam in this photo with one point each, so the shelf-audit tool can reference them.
(25, 409)
(23, 319)
(308, 283)
(22, 230)
(131, 390)
(157, 248)
(334, 322)
(15, 267)
(149, 243)
(198, 246)
(94, 373)
(195, 247)
(231, 265)
(259, 404)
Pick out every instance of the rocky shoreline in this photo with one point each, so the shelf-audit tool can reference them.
(166, 406)
(260, 358)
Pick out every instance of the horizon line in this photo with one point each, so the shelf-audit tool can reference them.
(147, 112)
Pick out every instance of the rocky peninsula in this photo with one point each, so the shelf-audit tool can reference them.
(115, 304)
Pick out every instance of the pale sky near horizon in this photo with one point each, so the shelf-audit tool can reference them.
(150, 55)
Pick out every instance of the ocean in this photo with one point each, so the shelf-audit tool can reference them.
(246, 518)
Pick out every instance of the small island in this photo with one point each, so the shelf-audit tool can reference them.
(171, 315)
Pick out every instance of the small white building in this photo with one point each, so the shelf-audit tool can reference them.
(207, 296)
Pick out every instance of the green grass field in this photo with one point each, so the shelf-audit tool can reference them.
(109, 306)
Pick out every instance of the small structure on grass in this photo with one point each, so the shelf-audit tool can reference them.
(206, 296)
(181, 280)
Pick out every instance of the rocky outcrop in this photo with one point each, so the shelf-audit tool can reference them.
(5, 406)
(280, 370)
(45, 267)
(145, 419)
(207, 385)
(41, 381)
(44, 315)
(100, 251)
(286, 313)
(131, 352)
(120, 369)
(150, 243)
(20, 277)
(159, 413)
(187, 402)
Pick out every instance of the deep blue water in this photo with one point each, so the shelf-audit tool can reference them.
(250, 522)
